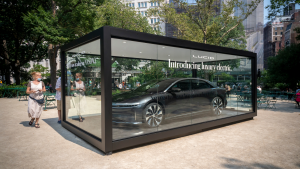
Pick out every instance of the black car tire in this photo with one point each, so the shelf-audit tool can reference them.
(217, 106)
(153, 115)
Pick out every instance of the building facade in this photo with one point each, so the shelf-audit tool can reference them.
(279, 33)
(142, 6)
(253, 25)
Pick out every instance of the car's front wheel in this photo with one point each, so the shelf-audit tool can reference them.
(217, 106)
(153, 115)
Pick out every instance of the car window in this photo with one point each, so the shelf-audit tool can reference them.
(183, 85)
(199, 84)
(155, 86)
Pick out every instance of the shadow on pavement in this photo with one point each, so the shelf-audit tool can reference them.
(70, 136)
(26, 123)
(298, 165)
(235, 163)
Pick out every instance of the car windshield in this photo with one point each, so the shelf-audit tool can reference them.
(155, 86)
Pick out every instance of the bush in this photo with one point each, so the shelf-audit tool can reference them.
(14, 92)
(281, 86)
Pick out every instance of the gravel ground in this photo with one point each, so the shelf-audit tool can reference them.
(271, 140)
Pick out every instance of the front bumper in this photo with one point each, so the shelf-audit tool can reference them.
(127, 114)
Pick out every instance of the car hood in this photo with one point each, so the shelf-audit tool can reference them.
(131, 97)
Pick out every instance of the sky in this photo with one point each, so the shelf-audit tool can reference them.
(266, 3)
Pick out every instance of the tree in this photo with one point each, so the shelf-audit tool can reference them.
(284, 65)
(67, 20)
(19, 44)
(60, 22)
(202, 22)
(39, 68)
(115, 13)
(227, 77)
(277, 7)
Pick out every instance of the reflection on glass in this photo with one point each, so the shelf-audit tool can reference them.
(83, 87)
(79, 95)
(156, 87)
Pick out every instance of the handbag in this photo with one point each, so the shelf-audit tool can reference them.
(40, 101)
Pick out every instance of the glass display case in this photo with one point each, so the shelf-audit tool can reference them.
(125, 88)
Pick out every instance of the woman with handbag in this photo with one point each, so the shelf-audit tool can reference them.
(79, 96)
(35, 90)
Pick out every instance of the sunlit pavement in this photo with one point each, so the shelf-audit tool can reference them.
(271, 140)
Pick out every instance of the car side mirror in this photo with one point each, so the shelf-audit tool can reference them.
(175, 89)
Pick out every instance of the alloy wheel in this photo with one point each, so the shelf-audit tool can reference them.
(154, 115)
(217, 105)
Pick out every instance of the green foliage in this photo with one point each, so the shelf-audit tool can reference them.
(14, 87)
(276, 7)
(265, 81)
(126, 64)
(117, 91)
(58, 72)
(283, 68)
(19, 44)
(202, 23)
(281, 86)
(62, 20)
(39, 68)
(227, 77)
(115, 13)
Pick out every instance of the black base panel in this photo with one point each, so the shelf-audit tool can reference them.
(178, 132)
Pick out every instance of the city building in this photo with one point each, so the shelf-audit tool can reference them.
(141, 6)
(289, 35)
(279, 32)
(253, 25)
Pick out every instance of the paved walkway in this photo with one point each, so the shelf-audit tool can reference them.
(271, 140)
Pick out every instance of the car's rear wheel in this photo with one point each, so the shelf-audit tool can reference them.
(153, 115)
(217, 106)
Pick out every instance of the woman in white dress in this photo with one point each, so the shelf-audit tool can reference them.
(79, 97)
(35, 90)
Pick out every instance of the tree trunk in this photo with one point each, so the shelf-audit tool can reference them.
(52, 53)
(52, 59)
(7, 73)
(17, 73)
(7, 64)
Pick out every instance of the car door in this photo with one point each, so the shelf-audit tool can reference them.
(205, 93)
(179, 105)
(197, 96)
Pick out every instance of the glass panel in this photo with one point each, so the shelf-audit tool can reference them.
(244, 82)
(83, 87)
(157, 87)
(175, 72)
(134, 87)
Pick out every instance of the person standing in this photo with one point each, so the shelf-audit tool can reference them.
(259, 89)
(80, 96)
(123, 84)
(297, 90)
(117, 83)
(227, 90)
(35, 90)
(58, 98)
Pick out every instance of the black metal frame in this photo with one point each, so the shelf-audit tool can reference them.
(106, 144)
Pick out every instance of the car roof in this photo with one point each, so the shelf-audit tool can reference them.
(173, 80)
